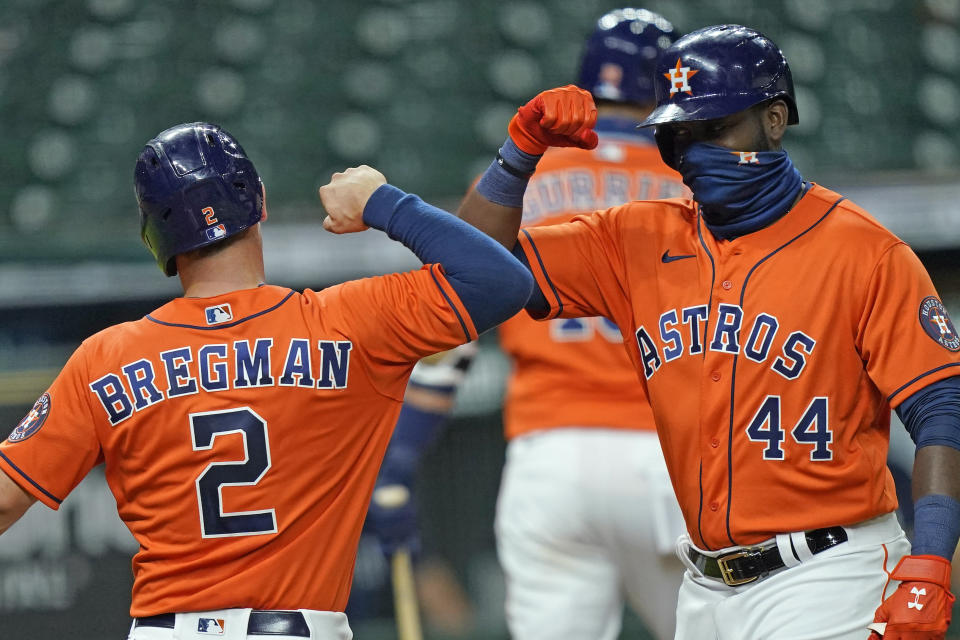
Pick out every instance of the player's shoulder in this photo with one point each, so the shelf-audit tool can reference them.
(856, 224)
(115, 342)
(118, 333)
(664, 214)
(365, 291)
(638, 221)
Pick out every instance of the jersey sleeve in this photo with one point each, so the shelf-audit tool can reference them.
(905, 337)
(402, 317)
(55, 445)
(578, 265)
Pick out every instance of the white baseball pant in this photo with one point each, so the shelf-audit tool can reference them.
(828, 596)
(587, 519)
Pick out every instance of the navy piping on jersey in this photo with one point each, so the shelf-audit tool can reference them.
(713, 276)
(546, 275)
(922, 375)
(733, 377)
(463, 325)
(225, 325)
(706, 332)
(700, 508)
(30, 480)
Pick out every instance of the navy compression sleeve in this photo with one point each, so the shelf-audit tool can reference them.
(932, 414)
(490, 282)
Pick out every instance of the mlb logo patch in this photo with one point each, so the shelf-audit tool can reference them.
(219, 314)
(217, 232)
(211, 626)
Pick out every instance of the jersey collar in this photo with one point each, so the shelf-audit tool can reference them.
(222, 311)
(814, 206)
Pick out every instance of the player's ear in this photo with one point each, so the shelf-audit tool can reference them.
(775, 117)
(263, 192)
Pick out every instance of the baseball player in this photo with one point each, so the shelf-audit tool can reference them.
(574, 541)
(773, 324)
(242, 425)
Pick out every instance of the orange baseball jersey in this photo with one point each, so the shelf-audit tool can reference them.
(771, 361)
(575, 371)
(242, 434)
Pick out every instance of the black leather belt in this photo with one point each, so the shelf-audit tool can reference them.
(261, 623)
(747, 564)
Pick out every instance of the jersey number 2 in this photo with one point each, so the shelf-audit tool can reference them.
(813, 428)
(204, 428)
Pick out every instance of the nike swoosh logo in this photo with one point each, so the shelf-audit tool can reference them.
(666, 257)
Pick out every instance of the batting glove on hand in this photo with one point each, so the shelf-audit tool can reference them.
(562, 117)
(392, 516)
(920, 607)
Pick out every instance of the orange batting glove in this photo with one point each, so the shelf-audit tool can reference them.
(562, 117)
(920, 607)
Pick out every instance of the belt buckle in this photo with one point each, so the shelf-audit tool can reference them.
(727, 573)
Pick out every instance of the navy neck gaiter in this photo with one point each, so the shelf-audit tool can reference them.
(739, 192)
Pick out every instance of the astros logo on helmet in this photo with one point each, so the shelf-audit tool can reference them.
(679, 78)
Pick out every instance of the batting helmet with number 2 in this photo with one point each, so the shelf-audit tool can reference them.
(195, 186)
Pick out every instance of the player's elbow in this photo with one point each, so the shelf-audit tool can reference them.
(494, 290)
(516, 287)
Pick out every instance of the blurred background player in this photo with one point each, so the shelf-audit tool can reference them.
(242, 425)
(586, 516)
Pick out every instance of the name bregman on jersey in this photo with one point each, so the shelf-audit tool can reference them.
(682, 331)
(218, 367)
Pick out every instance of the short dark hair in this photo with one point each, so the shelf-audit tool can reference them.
(216, 247)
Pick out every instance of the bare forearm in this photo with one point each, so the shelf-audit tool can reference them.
(561, 117)
(936, 470)
(497, 221)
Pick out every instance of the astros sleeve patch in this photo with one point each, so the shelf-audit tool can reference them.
(907, 339)
(54, 446)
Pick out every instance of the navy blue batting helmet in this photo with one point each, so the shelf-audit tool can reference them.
(621, 55)
(717, 71)
(195, 186)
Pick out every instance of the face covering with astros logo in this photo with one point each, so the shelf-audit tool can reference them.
(739, 192)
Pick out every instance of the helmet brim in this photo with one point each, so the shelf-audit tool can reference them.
(710, 108)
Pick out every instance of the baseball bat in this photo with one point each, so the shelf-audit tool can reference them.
(406, 608)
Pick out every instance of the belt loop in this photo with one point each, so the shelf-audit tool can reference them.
(799, 540)
(786, 552)
(683, 548)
